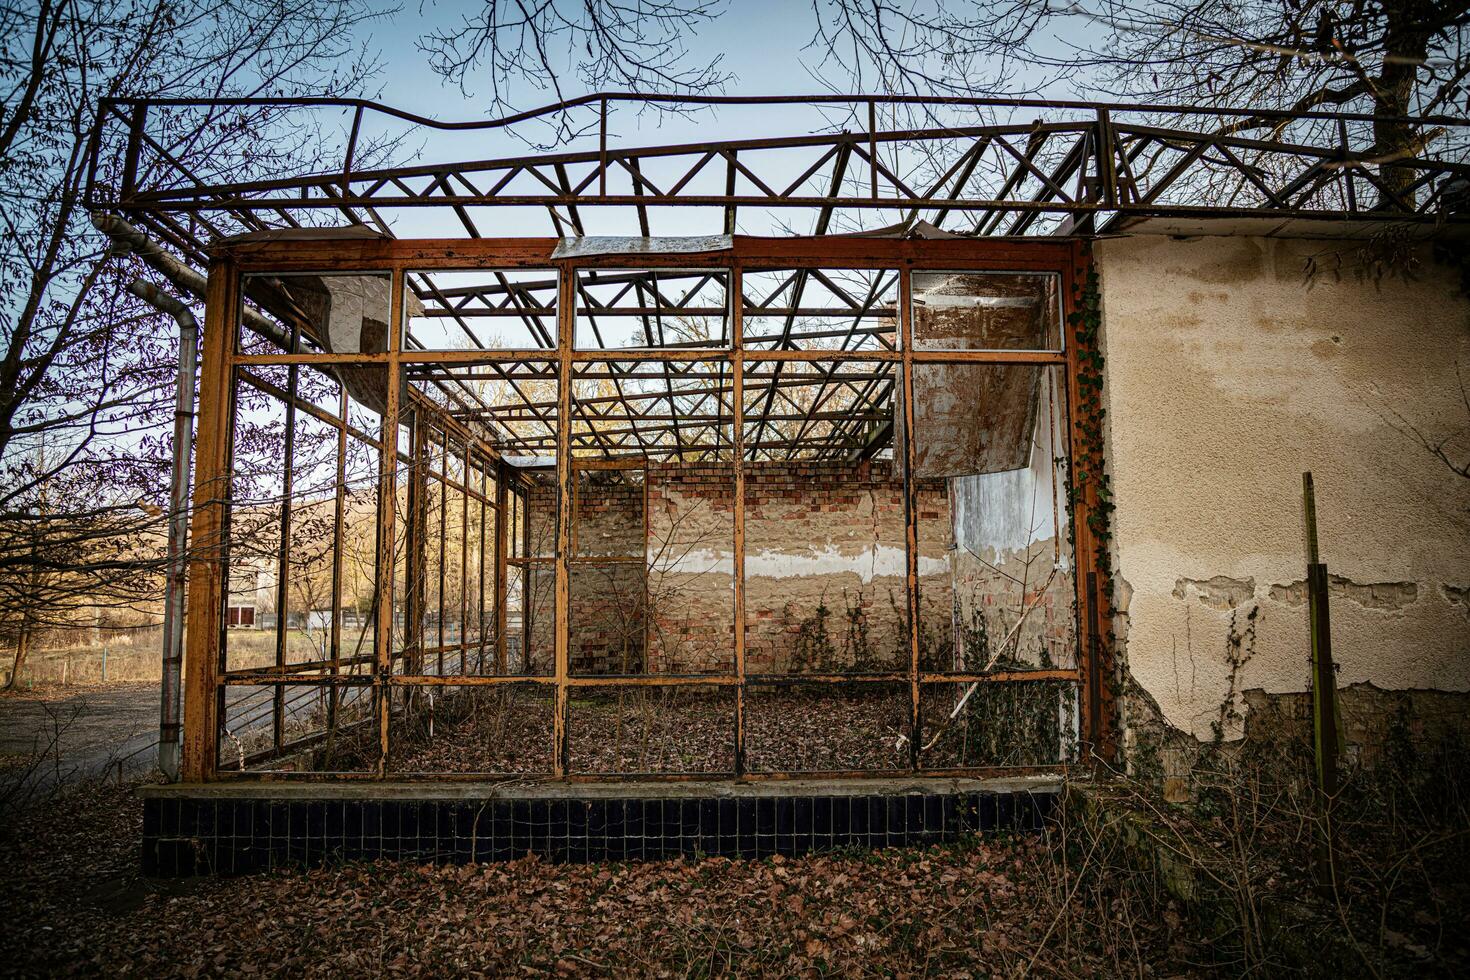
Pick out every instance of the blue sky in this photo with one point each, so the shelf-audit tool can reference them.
(765, 46)
(761, 41)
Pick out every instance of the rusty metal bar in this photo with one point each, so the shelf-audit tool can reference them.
(208, 568)
(502, 515)
(905, 452)
(387, 513)
(134, 146)
(293, 676)
(443, 499)
(737, 401)
(563, 523)
(339, 508)
(283, 560)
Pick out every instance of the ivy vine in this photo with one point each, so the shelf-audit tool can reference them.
(1089, 469)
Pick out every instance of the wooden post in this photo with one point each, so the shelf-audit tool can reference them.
(211, 496)
(1324, 689)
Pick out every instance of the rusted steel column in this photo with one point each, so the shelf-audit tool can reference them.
(502, 512)
(211, 496)
(737, 394)
(387, 515)
(1106, 156)
(523, 509)
(565, 321)
(339, 513)
(910, 503)
(283, 557)
(1094, 657)
(443, 543)
(464, 560)
(873, 149)
(415, 580)
(485, 508)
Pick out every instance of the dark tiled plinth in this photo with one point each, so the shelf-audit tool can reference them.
(185, 835)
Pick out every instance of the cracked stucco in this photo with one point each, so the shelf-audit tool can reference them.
(1226, 378)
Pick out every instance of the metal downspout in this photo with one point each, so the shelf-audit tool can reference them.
(169, 728)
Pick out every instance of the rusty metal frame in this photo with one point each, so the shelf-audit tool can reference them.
(1065, 258)
(1073, 169)
(1076, 164)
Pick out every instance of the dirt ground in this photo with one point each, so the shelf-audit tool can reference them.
(1061, 903)
(75, 905)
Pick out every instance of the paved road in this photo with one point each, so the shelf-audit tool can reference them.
(53, 735)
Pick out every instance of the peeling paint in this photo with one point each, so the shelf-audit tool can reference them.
(1208, 432)
(1372, 595)
(1218, 592)
(1457, 595)
(882, 561)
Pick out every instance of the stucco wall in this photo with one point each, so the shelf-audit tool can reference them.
(1226, 378)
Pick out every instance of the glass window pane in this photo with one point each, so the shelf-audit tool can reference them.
(343, 313)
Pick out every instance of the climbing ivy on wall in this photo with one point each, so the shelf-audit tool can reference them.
(1089, 470)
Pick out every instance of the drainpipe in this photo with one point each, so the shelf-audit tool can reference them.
(178, 525)
(126, 238)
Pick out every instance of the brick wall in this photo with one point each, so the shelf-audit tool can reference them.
(824, 582)
(691, 597)
(825, 571)
(607, 608)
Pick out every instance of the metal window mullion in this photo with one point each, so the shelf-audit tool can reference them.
(485, 508)
(283, 553)
(737, 386)
(339, 508)
(910, 506)
(564, 473)
(464, 562)
(387, 514)
(502, 513)
(443, 501)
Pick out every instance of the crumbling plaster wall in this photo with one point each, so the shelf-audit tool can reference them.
(1226, 378)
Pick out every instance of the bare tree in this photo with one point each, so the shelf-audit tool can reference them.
(85, 369)
(509, 46)
(1390, 58)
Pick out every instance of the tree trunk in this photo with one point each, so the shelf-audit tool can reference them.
(22, 647)
(1406, 45)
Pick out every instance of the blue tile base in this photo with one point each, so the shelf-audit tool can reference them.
(185, 836)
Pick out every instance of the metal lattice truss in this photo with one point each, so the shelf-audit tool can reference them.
(980, 171)
(683, 408)
(1068, 167)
